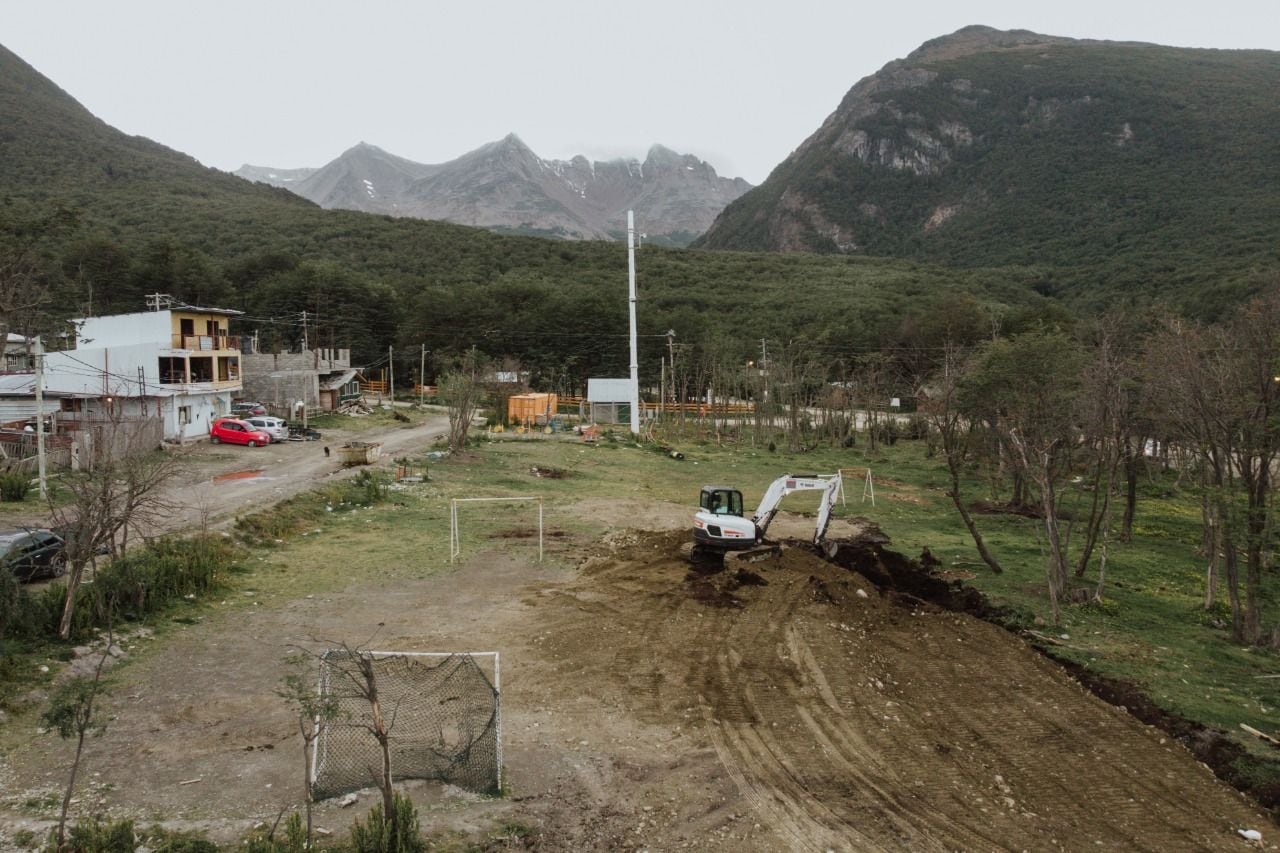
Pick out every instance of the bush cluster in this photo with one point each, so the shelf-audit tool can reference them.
(14, 486)
(130, 587)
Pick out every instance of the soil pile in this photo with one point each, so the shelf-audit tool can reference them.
(847, 721)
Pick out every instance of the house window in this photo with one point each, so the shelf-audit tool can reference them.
(202, 369)
(173, 371)
(184, 415)
(72, 404)
(228, 368)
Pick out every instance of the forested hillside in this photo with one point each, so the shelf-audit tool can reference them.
(1134, 170)
(100, 219)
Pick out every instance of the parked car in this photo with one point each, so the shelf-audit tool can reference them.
(234, 431)
(244, 409)
(274, 427)
(31, 553)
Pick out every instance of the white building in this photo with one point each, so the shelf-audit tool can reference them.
(179, 365)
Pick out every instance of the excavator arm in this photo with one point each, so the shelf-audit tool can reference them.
(789, 484)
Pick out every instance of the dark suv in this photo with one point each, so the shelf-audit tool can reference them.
(244, 409)
(31, 553)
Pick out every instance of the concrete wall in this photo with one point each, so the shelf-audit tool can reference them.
(72, 371)
(125, 329)
(321, 360)
(278, 391)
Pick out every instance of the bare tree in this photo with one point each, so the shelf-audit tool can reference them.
(955, 432)
(1028, 387)
(71, 713)
(462, 389)
(355, 667)
(1107, 414)
(119, 491)
(315, 712)
(1215, 390)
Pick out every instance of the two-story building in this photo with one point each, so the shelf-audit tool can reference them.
(180, 365)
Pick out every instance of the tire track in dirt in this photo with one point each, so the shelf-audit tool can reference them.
(847, 722)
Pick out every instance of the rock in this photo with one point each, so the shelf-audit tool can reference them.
(348, 800)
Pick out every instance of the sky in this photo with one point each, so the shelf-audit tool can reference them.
(288, 83)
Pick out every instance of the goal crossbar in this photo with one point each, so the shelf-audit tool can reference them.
(455, 537)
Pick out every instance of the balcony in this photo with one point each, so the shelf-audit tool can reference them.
(206, 343)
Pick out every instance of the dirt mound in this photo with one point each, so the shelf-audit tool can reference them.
(848, 719)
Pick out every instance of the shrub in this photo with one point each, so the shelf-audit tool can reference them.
(399, 835)
(14, 486)
(96, 835)
(294, 841)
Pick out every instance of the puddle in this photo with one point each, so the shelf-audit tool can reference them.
(239, 475)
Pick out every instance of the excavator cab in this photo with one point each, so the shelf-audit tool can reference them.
(721, 500)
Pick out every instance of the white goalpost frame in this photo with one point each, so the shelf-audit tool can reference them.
(868, 487)
(455, 537)
(497, 688)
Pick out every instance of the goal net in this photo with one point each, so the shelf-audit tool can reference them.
(443, 713)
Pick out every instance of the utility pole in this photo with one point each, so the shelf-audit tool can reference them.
(422, 376)
(44, 488)
(305, 348)
(662, 390)
(671, 360)
(391, 383)
(631, 289)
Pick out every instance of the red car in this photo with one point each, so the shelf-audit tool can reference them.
(233, 431)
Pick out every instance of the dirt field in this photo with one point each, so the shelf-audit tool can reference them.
(651, 706)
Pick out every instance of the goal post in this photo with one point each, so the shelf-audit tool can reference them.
(868, 486)
(455, 535)
(444, 717)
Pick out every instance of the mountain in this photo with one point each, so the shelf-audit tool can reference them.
(274, 177)
(506, 187)
(1134, 163)
(115, 217)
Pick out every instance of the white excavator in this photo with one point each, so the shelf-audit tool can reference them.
(720, 528)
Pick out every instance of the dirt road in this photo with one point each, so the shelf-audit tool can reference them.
(651, 706)
(218, 481)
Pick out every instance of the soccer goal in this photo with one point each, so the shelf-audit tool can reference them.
(443, 713)
(455, 527)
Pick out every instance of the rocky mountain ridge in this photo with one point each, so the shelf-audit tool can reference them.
(506, 187)
(986, 147)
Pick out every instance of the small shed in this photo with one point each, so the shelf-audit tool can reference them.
(531, 409)
(340, 387)
(608, 401)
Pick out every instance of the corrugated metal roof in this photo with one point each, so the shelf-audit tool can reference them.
(338, 380)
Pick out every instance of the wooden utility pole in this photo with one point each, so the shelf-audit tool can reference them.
(422, 376)
(305, 347)
(391, 381)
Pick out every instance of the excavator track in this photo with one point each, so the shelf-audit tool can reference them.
(758, 554)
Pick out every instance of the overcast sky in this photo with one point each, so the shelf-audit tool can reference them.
(290, 83)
